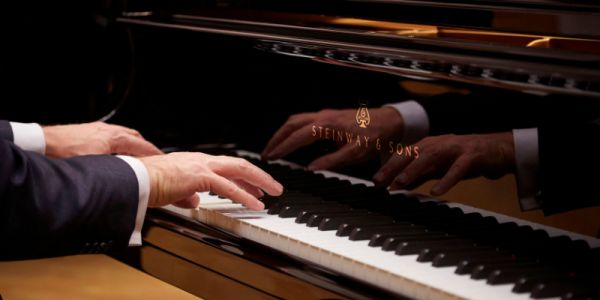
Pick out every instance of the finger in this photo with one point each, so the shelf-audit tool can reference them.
(254, 191)
(299, 138)
(390, 169)
(189, 202)
(294, 123)
(348, 154)
(237, 168)
(426, 176)
(456, 173)
(414, 170)
(225, 188)
(128, 144)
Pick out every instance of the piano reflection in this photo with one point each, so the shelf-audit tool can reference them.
(334, 93)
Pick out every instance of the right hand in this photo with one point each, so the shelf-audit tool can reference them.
(176, 178)
(297, 132)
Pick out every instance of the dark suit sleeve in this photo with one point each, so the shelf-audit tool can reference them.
(6, 131)
(480, 113)
(500, 111)
(569, 164)
(52, 207)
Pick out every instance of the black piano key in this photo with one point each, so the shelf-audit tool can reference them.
(305, 214)
(467, 266)
(347, 227)
(526, 283)
(415, 247)
(276, 208)
(333, 223)
(453, 258)
(315, 219)
(366, 232)
(292, 210)
(483, 271)
(511, 275)
(429, 254)
(558, 289)
(391, 243)
(378, 239)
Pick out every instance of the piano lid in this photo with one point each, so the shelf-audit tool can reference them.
(518, 45)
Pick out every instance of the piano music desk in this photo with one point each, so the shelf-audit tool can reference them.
(81, 277)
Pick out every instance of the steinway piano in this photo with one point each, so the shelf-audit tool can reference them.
(221, 76)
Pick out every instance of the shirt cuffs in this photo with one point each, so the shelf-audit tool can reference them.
(29, 137)
(144, 193)
(527, 166)
(416, 121)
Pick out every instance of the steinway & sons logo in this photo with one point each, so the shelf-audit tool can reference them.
(363, 139)
(362, 116)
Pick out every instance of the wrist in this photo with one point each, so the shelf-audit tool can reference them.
(51, 137)
(153, 181)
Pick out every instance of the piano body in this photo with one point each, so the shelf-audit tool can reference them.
(221, 76)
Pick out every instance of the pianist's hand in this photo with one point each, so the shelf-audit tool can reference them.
(451, 158)
(95, 138)
(176, 177)
(298, 132)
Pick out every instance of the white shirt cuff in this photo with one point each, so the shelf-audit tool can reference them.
(29, 137)
(527, 166)
(416, 121)
(144, 193)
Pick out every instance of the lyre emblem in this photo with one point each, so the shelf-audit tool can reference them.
(362, 116)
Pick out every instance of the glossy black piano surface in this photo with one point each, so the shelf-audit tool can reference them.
(223, 75)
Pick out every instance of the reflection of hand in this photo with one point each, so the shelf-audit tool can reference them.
(453, 158)
(297, 131)
(95, 138)
(175, 178)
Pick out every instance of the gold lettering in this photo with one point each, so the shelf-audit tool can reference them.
(366, 141)
(327, 133)
(320, 132)
(416, 148)
(340, 137)
(408, 150)
(391, 144)
(378, 145)
(349, 137)
(314, 130)
(399, 149)
(358, 140)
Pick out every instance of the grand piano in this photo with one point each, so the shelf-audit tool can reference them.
(220, 76)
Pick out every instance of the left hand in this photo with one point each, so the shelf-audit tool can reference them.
(451, 158)
(95, 138)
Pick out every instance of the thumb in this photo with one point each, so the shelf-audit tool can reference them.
(189, 202)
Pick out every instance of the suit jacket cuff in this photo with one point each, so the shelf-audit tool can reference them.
(141, 173)
(416, 121)
(527, 166)
(6, 131)
(29, 137)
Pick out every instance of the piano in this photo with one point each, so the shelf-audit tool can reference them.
(221, 76)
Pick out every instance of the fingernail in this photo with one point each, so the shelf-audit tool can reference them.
(279, 187)
(259, 206)
(378, 177)
(402, 179)
(313, 167)
(436, 190)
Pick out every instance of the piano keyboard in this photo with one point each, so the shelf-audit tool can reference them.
(414, 247)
